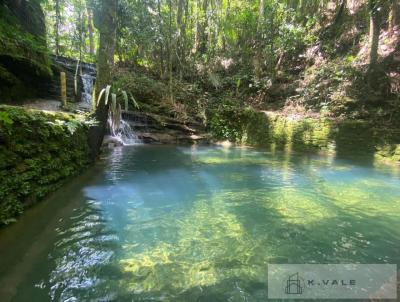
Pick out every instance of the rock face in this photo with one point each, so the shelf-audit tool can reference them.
(29, 14)
(156, 129)
(69, 66)
(26, 69)
(24, 66)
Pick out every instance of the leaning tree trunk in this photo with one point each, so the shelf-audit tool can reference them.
(105, 20)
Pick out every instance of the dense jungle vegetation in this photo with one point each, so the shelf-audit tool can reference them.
(332, 58)
(190, 58)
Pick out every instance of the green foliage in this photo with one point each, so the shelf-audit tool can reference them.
(119, 97)
(336, 87)
(5, 119)
(37, 151)
(227, 124)
(126, 100)
(259, 129)
(251, 47)
(76, 28)
(9, 209)
(141, 87)
(105, 91)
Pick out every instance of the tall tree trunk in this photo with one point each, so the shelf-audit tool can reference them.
(331, 31)
(258, 58)
(376, 76)
(57, 26)
(197, 28)
(212, 30)
(160, 27)
(374, 33)
(106, 22)
(185, 35)
(180, 37)
(228, 9)
(261, 12)
(170, 50)
(393, 16)
(340, 13)
(80, 30)
(202, 28)
(90, 31)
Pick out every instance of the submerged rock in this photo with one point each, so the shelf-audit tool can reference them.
(111, 142)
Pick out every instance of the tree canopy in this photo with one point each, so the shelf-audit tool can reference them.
(336, 56)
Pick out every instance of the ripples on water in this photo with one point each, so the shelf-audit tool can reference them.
(202, 224)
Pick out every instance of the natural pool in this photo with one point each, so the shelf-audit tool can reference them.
(166, 223)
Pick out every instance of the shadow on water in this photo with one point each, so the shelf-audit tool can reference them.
(356, 142)
(66, 232)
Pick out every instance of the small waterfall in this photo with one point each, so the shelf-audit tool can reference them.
(87, 81)
(121, 130)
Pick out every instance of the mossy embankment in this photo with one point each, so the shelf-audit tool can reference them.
(280, 132)
(38, 150)
(24, 59)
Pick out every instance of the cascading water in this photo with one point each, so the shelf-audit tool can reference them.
(121, 130)
(87, 81)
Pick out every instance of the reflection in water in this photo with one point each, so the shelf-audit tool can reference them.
(81, 252)
(202, 224)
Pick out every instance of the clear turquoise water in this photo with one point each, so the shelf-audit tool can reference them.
(157, 223)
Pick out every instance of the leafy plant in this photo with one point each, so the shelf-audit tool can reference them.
(118, 98)
(5, 119)
(115, 96)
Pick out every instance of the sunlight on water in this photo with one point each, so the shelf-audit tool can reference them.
(202, 224)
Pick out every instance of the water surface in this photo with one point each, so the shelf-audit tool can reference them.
(163, 223)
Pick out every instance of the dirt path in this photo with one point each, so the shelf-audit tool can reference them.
(51, 105)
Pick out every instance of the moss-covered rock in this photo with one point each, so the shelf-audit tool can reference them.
(37, 151)
(346, 137)
(24, 60)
